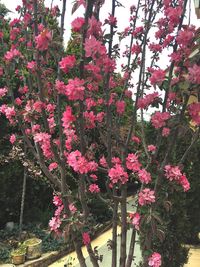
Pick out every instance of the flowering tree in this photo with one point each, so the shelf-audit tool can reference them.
(71, 113)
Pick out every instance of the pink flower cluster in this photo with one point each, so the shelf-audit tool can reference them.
(157, 77)
(91, 118)
(43, 39)
(9, 112)
(67, 63)
(77, 24)
(135, 220)
(12, 139)
(144, 176)
(75, 89)
(120, 104)
(55, 222)
(12, 54)
(158, 119)
(194, 111)
(146, 196)
(44, 140)
(185, 37)
(132, 162)
(80, 164)
(155, 260)
(86, 238)
(173, 173)
(194, 74)
(3, 92)
(144, 102)
(94, 188)
(118, 175)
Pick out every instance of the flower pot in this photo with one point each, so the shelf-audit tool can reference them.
(34, 248)
(18, 258)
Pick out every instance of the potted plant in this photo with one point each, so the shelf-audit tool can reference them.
(18, 255)
(34, 248)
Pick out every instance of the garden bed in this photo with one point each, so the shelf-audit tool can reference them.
(52, 248)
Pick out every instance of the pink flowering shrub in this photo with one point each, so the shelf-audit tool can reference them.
(84, 122)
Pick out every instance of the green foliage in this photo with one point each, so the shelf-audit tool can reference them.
(100, 210)
(4, 254)
(38, 199)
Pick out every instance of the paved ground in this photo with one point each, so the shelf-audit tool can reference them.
(194, 257)
(101, 243)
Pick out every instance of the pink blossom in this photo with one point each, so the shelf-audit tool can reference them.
(116, 160)
(94, 188)
(86, 238)
(132, 162)
(13, 53)
(184, 183)
(194, 74)
(103, 162)
(67, 63)
(155, 47)
(185, 37)
(90, 119)
(9, 113)
(151, 148)
(165, 131)
(194, 111)
(67, 117)
(77, 24)
(79, 163)
(60, 87)
(111, 20)
(135, 220)
(12, 139)
(43, 39)
(57, 201)
(117, 174)
(146, 196)
(157, 77)
(94, 177)
(38, 106)
(155, 260)
(120, 106)
(59, 210)
(3, 92)
(173, 173)
(44, 140)
(94, 27)
(75, 89)
(136, 49)
(173, 14)
(55, 224)
(53, 166)
(147, 100)
(93, 47)
(158, 119)
(72, 208)
(144, 176)
(31, 65)
(18, 101)
(136, 139)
